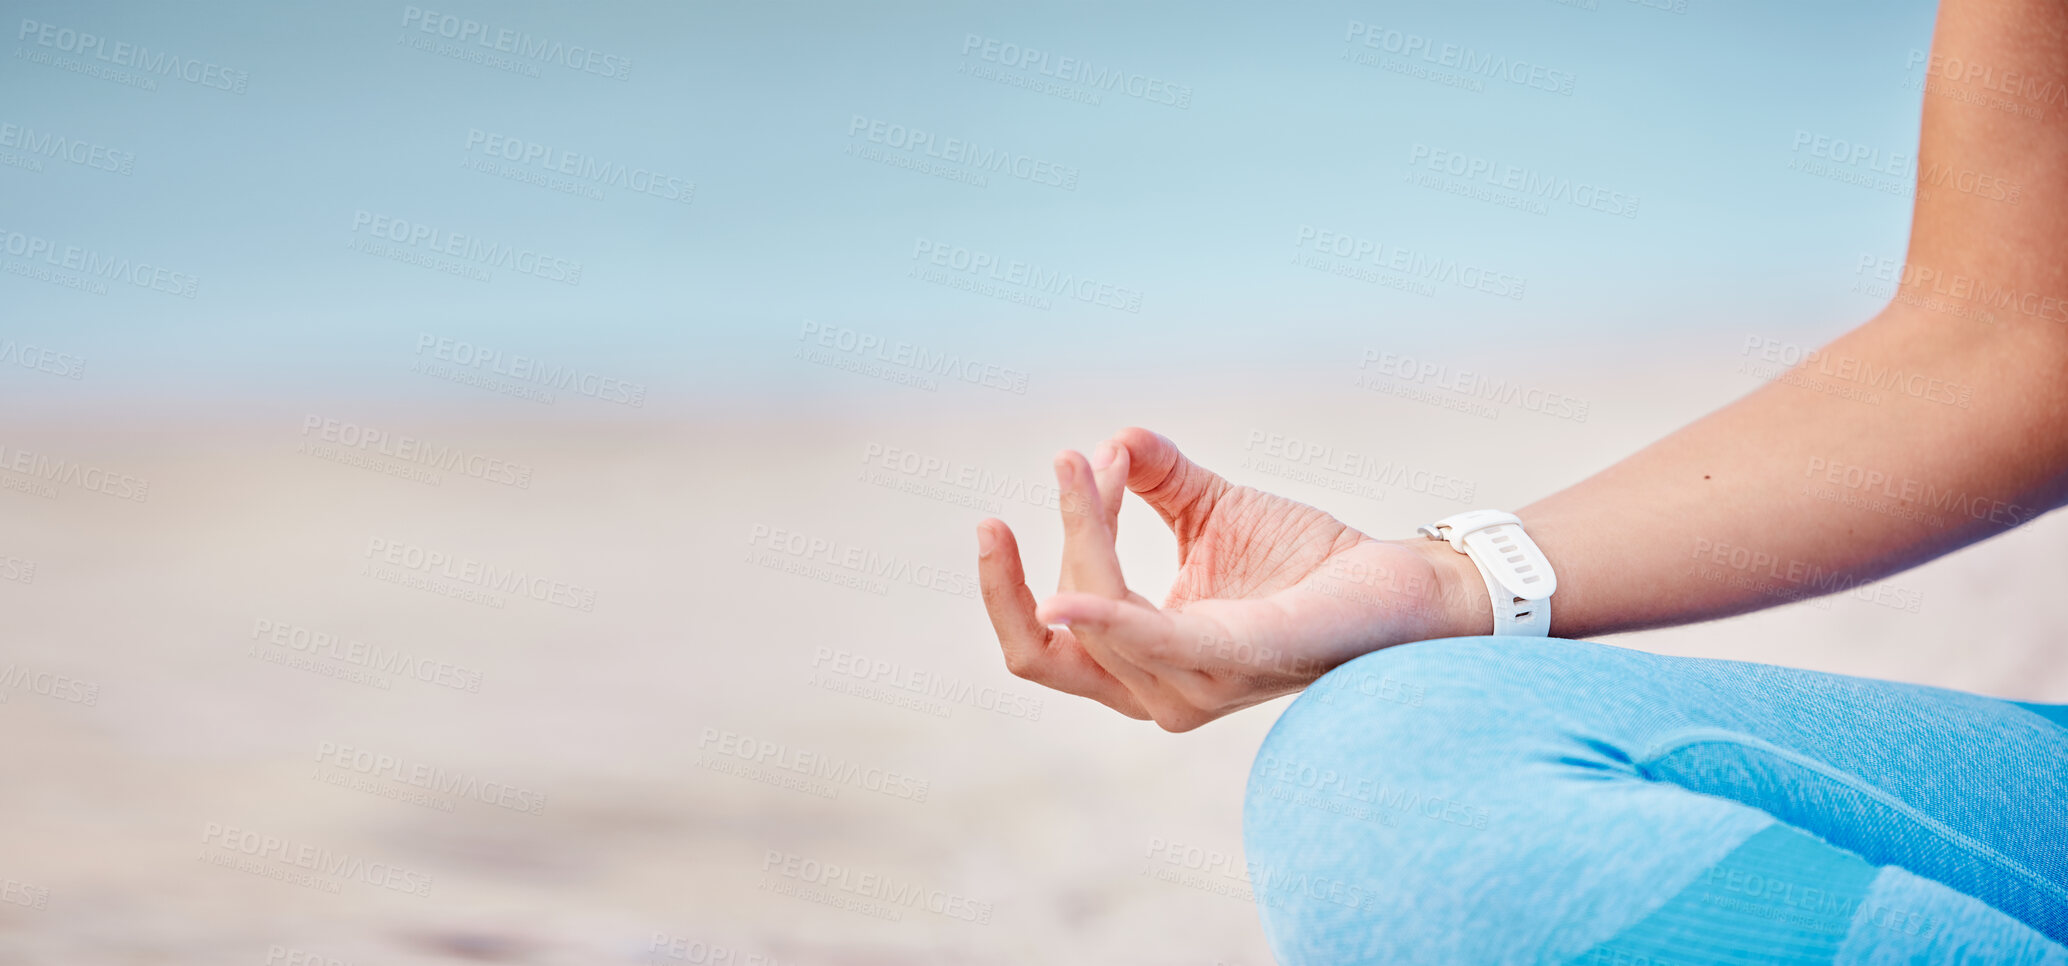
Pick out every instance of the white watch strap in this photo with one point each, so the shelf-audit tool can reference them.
(1518, 576)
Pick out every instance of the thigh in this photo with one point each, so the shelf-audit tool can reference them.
(1523, 800)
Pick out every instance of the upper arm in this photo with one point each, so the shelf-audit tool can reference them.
(1990, 227)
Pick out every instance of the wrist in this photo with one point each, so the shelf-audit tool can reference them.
(1458, 605)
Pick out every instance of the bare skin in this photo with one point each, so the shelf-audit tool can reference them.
(1754, 505)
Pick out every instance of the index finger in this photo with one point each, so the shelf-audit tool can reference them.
(1033, 650)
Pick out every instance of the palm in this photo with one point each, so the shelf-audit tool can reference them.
(1254, 544)
(1285, 576)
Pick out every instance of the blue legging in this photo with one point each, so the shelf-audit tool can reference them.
(1518, 800)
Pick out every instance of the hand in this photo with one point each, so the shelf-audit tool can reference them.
(1270, 593)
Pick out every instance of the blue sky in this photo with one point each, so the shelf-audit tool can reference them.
(1162, 235)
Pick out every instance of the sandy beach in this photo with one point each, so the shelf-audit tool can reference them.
(710, 688)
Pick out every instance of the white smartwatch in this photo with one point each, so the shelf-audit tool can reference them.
(1518, 576)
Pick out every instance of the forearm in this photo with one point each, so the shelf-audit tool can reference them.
(1803, 487)
(1797, 491)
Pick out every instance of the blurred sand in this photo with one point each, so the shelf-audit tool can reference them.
(1051, 823)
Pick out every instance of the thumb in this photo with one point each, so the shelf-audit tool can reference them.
(1183, 492)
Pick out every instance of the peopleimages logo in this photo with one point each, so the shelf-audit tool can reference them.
(1801, 362)
(434, 778)
(86, 476)
(1465, 60)
(1406, 261)
(416, 235)
(58, 147)
(134, 56)
(894, 893)
(754, 758)
(1077, 70)
(1527, 182)
(49, 684)
(525, 369)
(1308, 453)
(922, 683)
(2036, 88)
(73, 258)
(584, 168)
(289, 636)
(1854, 153)
(960, 151)
(857, 561)
(235, 840)
(503, 40)
(1474, 385)
(466, 570)
(1924, 279)
(1028, 276)
(869, 346)
(41, 359)
(409, 449)
(963, 477)
(1904, 491)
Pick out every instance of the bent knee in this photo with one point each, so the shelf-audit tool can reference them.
(1403, 782)
(1405, 698)
(1393, 758)
(1439, 728)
